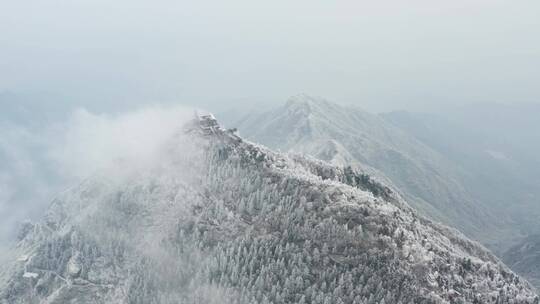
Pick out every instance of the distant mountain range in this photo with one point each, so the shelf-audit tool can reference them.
(481, 180)
(347, 135)
(498, 145)
(217, 219)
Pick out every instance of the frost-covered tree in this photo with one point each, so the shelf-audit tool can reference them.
(224, 221)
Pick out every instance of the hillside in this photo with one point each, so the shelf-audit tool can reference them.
(216, 219)
(497, 144)
(429, 181)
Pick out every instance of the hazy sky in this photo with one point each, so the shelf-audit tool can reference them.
(381, 55)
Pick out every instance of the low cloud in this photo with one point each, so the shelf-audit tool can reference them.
(90, 142)
(37, 163)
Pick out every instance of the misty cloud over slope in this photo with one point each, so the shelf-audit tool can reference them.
(42, 158)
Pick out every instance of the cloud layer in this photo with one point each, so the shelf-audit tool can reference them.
(37, 163)
(379, 54)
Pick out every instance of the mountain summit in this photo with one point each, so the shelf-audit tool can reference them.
(216, 219)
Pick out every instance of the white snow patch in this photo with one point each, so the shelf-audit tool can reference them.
(31, 275)
(23, 258)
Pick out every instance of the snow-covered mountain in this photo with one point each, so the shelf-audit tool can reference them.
(499, 145)
(216, 219)
(347, 135)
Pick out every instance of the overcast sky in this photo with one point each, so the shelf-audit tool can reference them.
(381, 55)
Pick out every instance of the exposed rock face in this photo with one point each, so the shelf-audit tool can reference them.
(219, 220)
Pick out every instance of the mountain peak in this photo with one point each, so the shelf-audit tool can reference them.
(306, 103)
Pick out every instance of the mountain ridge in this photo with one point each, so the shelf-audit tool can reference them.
(348, 135)
(219, 219)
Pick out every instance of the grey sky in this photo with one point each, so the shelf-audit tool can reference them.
(381, 55)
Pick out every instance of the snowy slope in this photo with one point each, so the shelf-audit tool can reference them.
(348, 135)
(499, 147)
(219, 220)
(524, 258)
